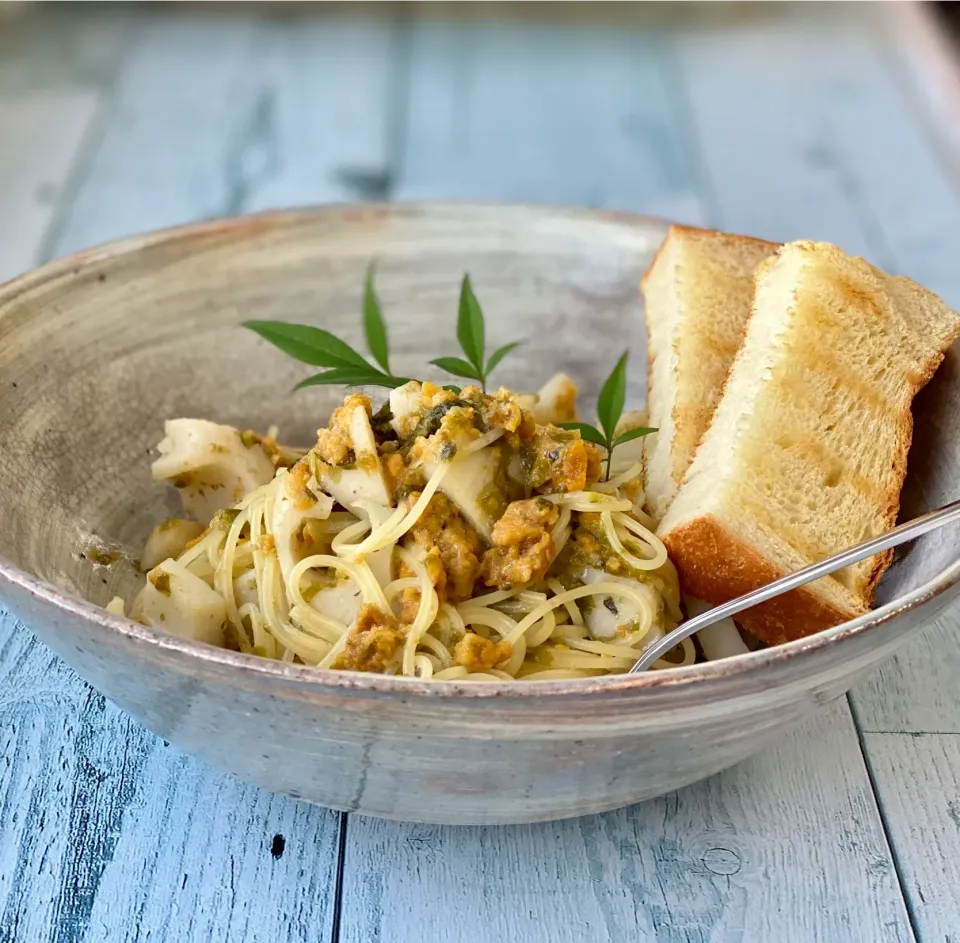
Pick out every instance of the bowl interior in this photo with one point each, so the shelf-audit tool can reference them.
(96, 351)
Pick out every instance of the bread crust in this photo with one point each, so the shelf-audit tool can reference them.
(696, 232)
(716, 566)
(702, 417)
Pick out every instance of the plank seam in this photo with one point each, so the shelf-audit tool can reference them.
(90, 143)
(913, 733)
(912, 916)
(338, 880)
(398, 102)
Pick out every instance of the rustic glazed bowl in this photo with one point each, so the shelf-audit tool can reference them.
(97, 349)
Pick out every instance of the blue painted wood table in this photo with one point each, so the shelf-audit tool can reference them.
(816, 121)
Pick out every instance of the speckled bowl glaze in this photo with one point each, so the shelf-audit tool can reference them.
(97, 349)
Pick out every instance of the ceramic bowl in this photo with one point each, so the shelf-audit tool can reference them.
(97, 349)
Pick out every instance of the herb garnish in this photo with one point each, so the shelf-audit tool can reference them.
(610, 405)
(320, 348)
(470, 334)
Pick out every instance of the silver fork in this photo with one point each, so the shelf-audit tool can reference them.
(908, 531)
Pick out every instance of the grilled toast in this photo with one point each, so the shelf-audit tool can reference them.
(697, 295)
(807, 450)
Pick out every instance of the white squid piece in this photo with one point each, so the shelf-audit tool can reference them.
(607, 614)
(465, 483)
(406, 404)
(365, 482)
(168, 540)
(209, 465)
(341, 602)
(180, 603)
(720, 640)
(290, 513)
(556, 401)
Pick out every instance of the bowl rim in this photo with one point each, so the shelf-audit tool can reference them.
(238, 227)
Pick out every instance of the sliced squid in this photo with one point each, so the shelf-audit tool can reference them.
(245, 589)
(720, 640)
(406, 403)
(365, 481)
(607, 614)
(299, 501)
(341, 602)
(471, 483)
(556, 401)
(210, 465)
(180, 603)
(168, 539)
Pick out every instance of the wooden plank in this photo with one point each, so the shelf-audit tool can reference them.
(109, 834)
(555, 115)
(209, 858)
(780, 847)
(221, 114)
(330, 143)
(824, 146)
(923, 823)
(49, 101)
(48, 128)
(916, 691)
(927, 55)
(50, 96)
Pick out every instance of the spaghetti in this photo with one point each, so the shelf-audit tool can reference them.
(502, 555)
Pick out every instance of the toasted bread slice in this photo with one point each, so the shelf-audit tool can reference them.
(807, 451)
(697, 294)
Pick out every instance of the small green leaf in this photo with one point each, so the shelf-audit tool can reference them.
(587, 432)
(352, 377)
(456, 366)
(470, 331)
(612, 397)
(450, 388)
(632, 434)
(308, 344)
(373, 325)
(499, 354)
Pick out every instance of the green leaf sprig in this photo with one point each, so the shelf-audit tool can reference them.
(320, 348)
(471, 335)
(345, 366)
(610, 403)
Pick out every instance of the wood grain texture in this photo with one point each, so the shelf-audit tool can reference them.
(219, 115)
(109, 835)
(824, 147)
(49, 102)
(918, 782)
(741, 856)
(549, 114)
(916, 691)
(48, 127)
(544, 114)
(725, 855)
